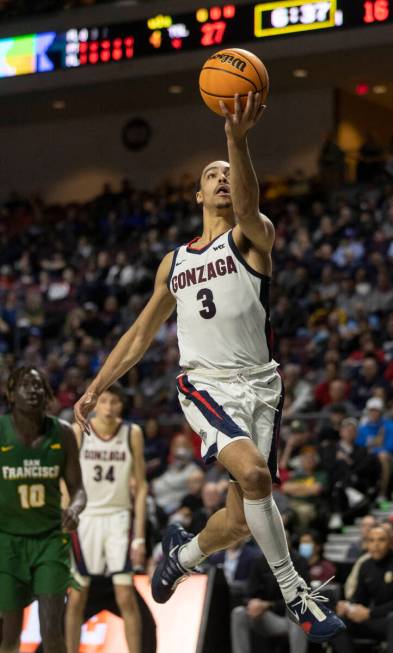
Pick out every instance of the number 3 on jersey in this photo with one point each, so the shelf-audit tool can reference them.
(209, 307)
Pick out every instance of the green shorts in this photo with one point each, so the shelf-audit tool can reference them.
(31, 566)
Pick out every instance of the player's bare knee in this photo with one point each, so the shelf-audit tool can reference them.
(77, 600)
(51, 633)
(256, 479)
(51, 611)
(125, 599)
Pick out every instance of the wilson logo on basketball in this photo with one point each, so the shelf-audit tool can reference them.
(237, 63)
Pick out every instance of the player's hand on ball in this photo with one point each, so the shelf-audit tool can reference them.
(70, 520)
(82, 409)
(239, 123)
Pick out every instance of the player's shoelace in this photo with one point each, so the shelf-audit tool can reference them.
(186, 573)
(311, 595)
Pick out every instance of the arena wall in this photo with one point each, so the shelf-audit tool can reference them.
(71, 158)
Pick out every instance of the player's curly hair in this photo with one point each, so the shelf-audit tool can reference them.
(17, 375)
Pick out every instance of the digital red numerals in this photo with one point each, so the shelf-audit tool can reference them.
(106, 50)
(213, 33)
(375, 10)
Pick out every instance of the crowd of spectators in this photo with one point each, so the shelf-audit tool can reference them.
(74, 277)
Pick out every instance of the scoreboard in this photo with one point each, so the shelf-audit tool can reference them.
(221, 25)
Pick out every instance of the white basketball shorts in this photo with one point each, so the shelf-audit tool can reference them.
(101, 546)
(223, 406)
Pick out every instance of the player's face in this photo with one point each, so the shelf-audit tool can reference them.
(215, 189)
(108, 406)
(30, 395)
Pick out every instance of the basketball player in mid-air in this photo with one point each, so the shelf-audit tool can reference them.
(36, 451)
(111, 460)
(230, 390)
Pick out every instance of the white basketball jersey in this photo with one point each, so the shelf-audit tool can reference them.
(222, 307)
(106, 469)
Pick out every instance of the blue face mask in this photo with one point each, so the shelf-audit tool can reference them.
(306, 549)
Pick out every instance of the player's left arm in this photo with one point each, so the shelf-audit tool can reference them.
(73, 479)
(138, 547)
(251, 224)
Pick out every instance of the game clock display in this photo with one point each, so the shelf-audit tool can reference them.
(293, 16)
(208, 26)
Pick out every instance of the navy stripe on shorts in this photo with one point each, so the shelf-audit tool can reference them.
(212, 411)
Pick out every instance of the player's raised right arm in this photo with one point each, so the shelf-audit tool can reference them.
(133, 344)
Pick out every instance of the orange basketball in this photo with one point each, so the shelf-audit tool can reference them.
(232, 71)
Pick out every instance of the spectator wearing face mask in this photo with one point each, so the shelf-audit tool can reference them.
(170, 488)
(310, 548)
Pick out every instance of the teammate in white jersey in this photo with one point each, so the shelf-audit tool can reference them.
(113, 468)
(230, 390)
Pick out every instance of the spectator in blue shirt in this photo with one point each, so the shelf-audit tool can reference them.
(376, 433)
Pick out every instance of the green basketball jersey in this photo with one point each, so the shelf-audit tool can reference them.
(29, 480)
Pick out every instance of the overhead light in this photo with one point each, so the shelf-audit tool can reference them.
(176, 89)
(362, 89)
(300, 72)
(59, 104)
(380, 89)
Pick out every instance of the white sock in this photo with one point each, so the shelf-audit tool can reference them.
(265, 523)
(190, 554)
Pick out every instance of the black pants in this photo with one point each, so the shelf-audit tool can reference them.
(380, 630)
